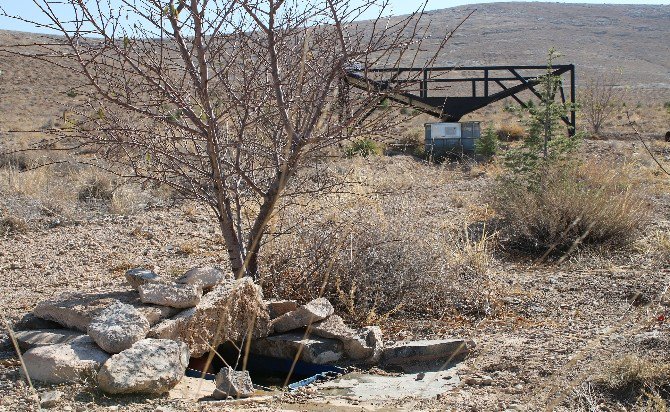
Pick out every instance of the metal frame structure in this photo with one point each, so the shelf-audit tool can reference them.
(493, 84)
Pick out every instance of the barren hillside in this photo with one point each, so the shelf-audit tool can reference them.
(633, 38)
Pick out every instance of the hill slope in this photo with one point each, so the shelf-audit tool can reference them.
(634, 38)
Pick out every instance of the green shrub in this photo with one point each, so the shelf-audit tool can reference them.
(549, 200)
(487, 144)
(363, 148)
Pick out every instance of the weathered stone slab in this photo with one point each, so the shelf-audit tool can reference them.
(140, 276)
(365, 344)
(28, 339)
(68, 362)
(278, 307)
(314, 311)
(192, 389)
(411, 353)
(228, 312)
(151, 366)
(32, 322)
(171, 294)
(117, 327)
(232, 383)
(75, 310)
(313, 349)
(205, 276)
(334, 328)
(172, 327)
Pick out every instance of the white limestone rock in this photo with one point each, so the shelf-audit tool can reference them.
(150, 366)
(313, 311)
(205, 276)
(170, 294)
(68, 362)
(117, 327)
(232, 383)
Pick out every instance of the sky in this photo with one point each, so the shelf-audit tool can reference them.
(28, 10)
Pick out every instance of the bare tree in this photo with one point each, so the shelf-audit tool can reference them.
(225, 100)
(601, 97)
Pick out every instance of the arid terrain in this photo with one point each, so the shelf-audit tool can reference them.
(415, 247)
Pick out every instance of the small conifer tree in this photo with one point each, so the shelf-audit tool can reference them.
(487, 144)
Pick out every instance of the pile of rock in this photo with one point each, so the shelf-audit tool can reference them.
(318, 336)
(141, 340)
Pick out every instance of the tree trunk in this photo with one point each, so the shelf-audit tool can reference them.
(233, 246)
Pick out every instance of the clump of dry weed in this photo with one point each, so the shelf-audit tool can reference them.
(378, 256)
(582, 203)
(633, 379)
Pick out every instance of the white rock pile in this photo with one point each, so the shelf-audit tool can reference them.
(140, 340)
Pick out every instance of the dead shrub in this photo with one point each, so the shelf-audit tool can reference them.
(18, 161)
(373, 266)
(573, 203)
(12, 225)
(96, 187)
(511, 132)
(635, 379)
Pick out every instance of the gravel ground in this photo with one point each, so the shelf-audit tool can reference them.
(552, 331)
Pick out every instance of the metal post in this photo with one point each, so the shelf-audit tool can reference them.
(486, 83)
(474, 88)
(424, 84)
(573, 120)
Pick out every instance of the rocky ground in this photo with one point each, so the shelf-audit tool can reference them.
(549, 336)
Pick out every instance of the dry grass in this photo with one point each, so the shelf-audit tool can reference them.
(588, 203)
(384, 255)
(633, 379)
(12, 225)
(511, 132)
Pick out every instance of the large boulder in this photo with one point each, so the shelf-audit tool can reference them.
(312, 349)
(140, 276)
(205, 276)
(170, 294)
(150, 366)
(69, 362)
(28, 339)
(314, 311)
(236, 384)
(75, 310)
(117, 327)
(227, 313)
